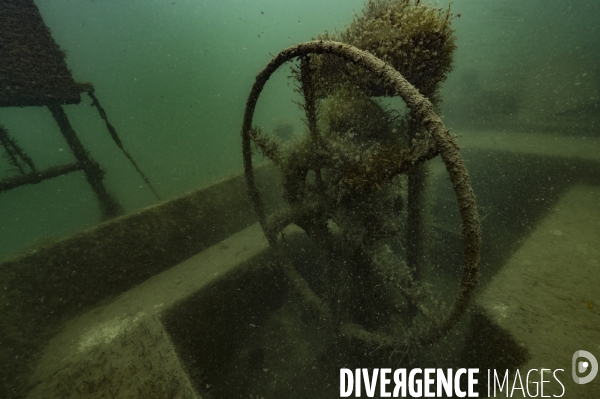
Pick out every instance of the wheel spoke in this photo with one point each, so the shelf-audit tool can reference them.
(383, 164)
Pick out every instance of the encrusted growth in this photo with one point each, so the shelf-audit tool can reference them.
(345, 181)
(414, 38)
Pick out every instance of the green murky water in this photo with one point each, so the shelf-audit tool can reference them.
(174, 76)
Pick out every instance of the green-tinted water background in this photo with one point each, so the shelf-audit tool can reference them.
(173, 77)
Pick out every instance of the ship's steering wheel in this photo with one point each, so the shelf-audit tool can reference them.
(310, 206)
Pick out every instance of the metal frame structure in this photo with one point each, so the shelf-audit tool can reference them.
(33, 72)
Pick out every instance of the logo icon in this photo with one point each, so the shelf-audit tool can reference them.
(583, 366)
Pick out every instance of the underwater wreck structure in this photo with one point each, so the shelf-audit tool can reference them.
(33, 72)
(264, 284)
(353, 183)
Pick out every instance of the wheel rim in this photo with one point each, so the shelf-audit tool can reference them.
(446, 147)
